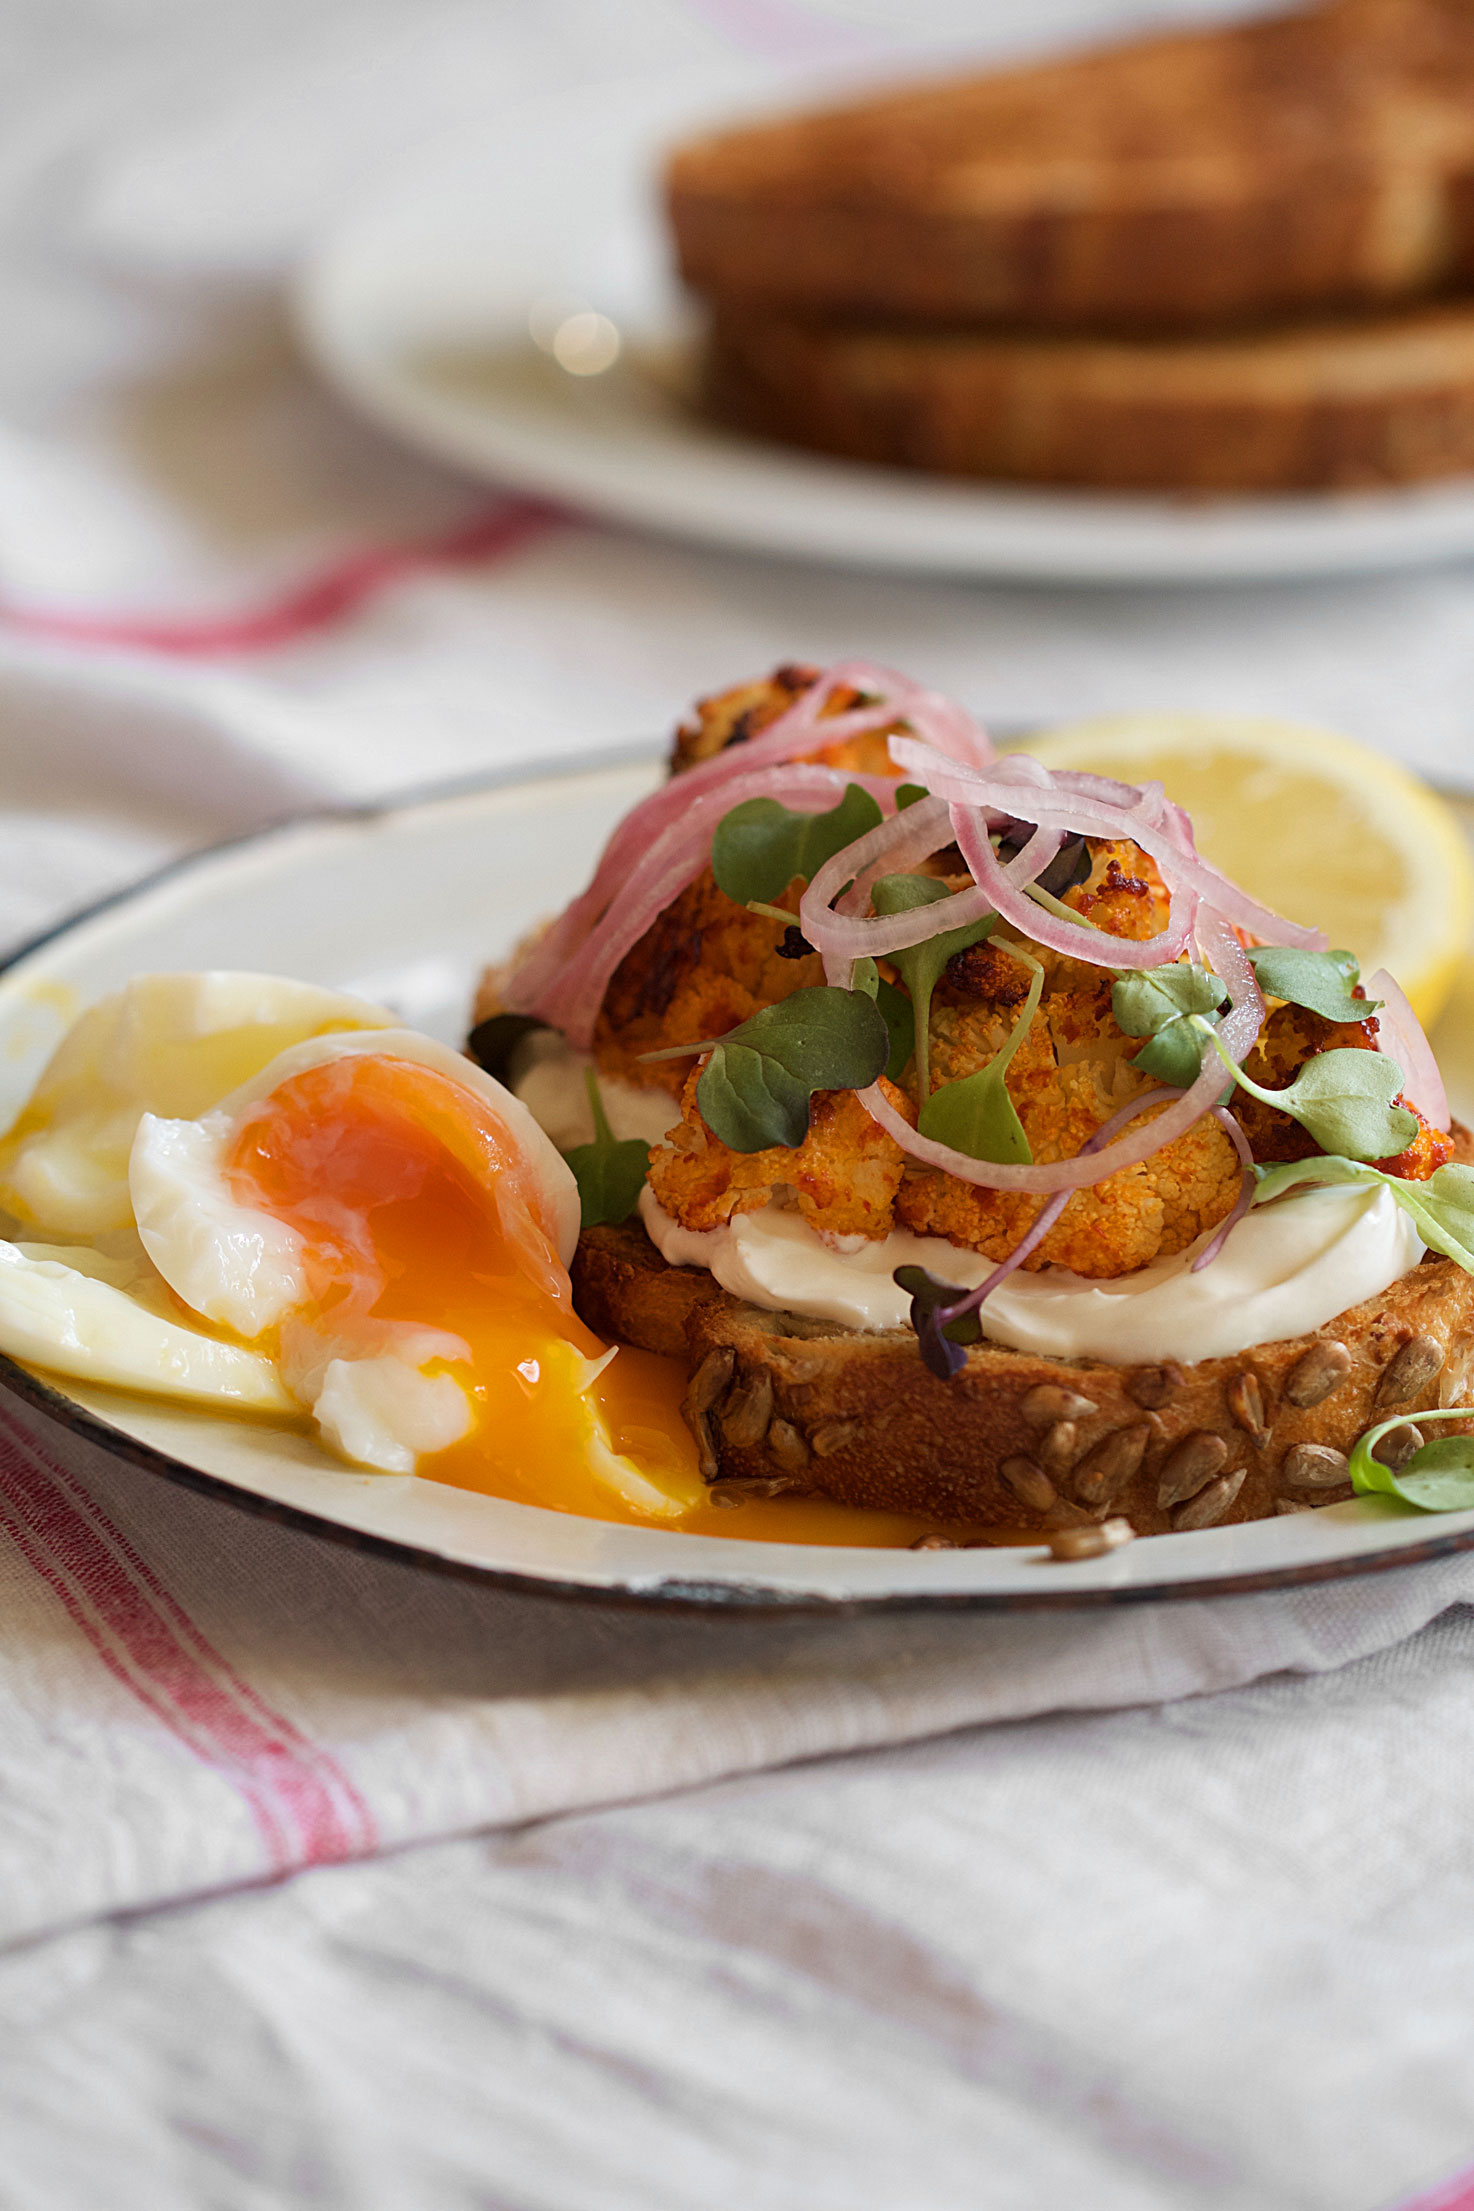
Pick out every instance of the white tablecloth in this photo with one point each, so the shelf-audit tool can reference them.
(1205, 1950)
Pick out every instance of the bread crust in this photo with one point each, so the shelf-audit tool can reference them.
(1311, 406)
(1309, 160)
(1023, 1441)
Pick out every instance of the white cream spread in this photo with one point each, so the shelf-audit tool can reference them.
(549, 1080)
(1286, 1268)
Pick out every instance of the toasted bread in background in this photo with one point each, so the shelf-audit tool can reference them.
(1305, 161)
(1320, 405)
(1019, 1440)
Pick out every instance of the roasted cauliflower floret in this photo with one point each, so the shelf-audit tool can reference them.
(705, 965)
(1139, 1214)
(1070, 1074)
(732, 717)
(1124, 893)
(843, 1177)
(1290, 1037)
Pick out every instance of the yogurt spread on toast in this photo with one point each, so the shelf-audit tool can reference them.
(1285, 1271)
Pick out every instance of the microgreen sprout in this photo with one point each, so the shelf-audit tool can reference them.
(976, 1115)
(610, 1173)
(755, 1088)
(1438, 1477)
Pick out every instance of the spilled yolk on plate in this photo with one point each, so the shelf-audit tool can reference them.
(262, 1199)
(416, 1208)
(413, 1206)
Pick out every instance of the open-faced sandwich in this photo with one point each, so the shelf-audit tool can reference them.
(985, 1154)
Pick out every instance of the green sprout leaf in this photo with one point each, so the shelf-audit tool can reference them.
(755, 1088)
(610, 1174)
(1146, 999)
(1174, 1055)
(1321, 981)
(1437, 1478)
(895, 1011)
(977, 1115)
(1442, 1208)
(761, 846)
(1446, 1202)
(1159, 1003)
(1343, 1099)
(910, 794)
(920, 966)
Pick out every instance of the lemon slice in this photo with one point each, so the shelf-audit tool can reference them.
(1321, 828)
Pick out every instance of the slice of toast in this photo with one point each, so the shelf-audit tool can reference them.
(1023, 1441)
(1314, 405)
(1307, 160)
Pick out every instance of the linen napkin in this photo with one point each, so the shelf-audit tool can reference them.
(192, 1697)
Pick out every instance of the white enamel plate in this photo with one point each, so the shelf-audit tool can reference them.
(404, 906)
(418, 307)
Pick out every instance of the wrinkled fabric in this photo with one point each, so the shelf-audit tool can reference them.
(1192, 1929)
(326, 1880)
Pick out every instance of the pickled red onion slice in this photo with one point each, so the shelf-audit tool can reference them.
(900, 843)
(1078, 813)
(1401, 1037)
(1247, 1186)
(571, 1000)
(948, 729)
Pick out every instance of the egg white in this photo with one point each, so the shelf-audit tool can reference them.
(125, 1142)
(553, 1175)
(383, 1412)
(56, 1315)
(164, 1044)
(370, 1395)
(231, 1262)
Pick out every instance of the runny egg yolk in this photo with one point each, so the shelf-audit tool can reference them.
(414, 1205)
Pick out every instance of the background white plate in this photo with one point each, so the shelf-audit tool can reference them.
(406, 905)
(417, 308)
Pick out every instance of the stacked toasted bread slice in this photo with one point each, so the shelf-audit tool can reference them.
(1342, 404)
(1221, 260)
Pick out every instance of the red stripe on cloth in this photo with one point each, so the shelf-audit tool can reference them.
(495, 531)
(357, 1819)
(1451, 2195)
(307, 1810)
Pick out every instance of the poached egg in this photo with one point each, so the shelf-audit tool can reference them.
(266, 1198)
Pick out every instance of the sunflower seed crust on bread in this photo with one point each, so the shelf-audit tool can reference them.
(1316, 159)
(1304, 406)
(1023, 1441)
